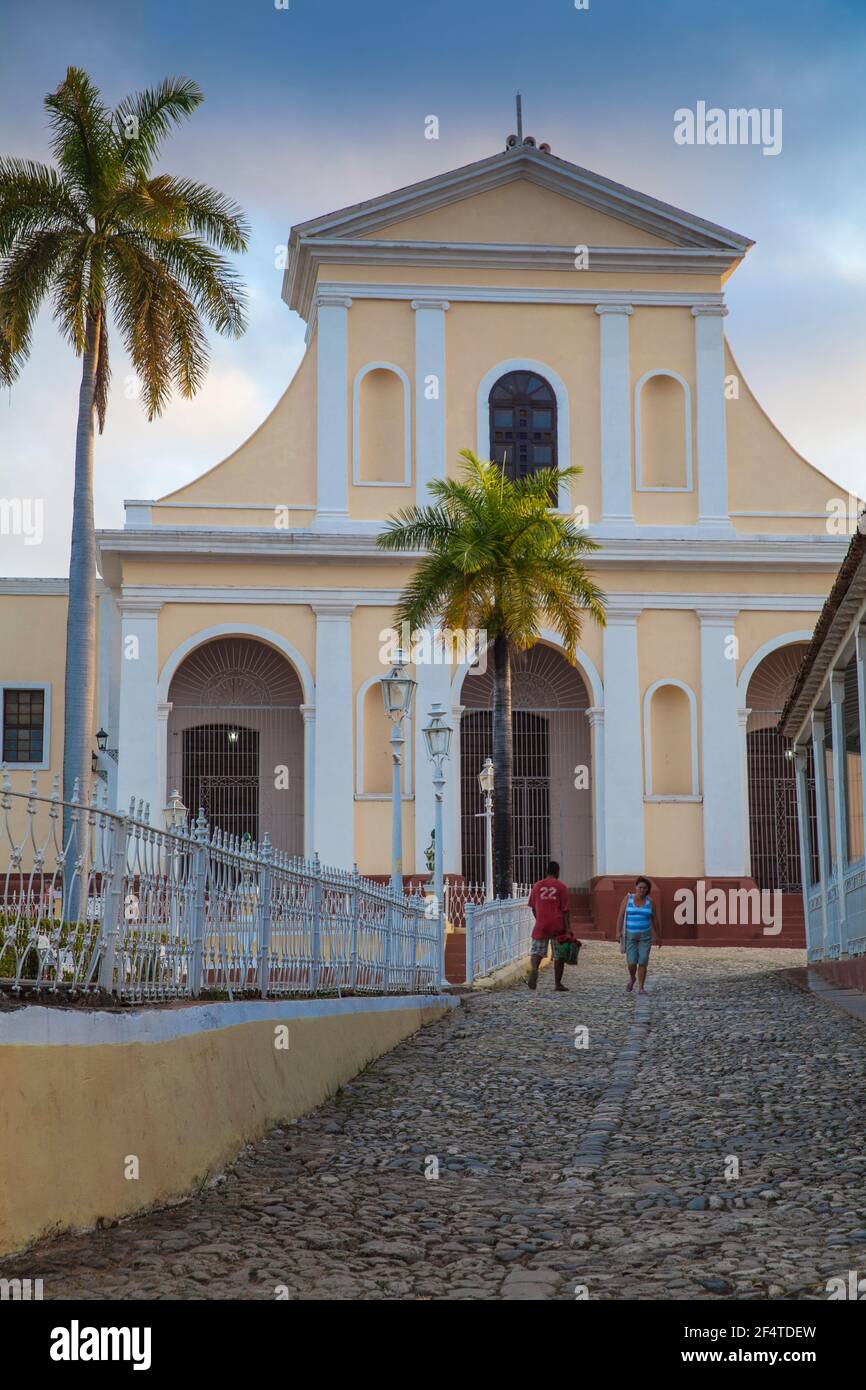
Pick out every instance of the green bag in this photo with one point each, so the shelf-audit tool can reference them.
(567, 951)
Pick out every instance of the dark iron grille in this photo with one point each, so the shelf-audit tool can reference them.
(523, 424)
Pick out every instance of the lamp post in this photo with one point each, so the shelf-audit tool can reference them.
(174, 813)
(437, 736)
(485, 781)
(398, 691)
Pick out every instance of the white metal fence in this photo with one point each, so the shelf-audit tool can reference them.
(150, 914)
(497, 933)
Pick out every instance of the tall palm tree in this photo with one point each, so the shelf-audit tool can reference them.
(498, 560)
(102, 233)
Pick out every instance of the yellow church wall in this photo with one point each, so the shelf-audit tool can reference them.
(281, 517)
(295, 622)
(373, 805)
(673, 839)
(669, 649)
(740, 583)
(754, 629)
(380, 331)
(663, 339)
(765, 472)
(23, 660)
(336, 272)
(563, 337)
(276, 465)
(520, 211)
(331, 574)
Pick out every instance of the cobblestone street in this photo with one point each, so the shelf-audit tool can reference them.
(606, 1166)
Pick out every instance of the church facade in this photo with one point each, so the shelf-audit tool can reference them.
(539, 314)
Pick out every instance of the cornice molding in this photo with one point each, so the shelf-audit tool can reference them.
(672, 551)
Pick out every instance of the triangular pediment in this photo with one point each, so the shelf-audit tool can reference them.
(523, 197)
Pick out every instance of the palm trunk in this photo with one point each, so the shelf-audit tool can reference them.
(503, 754)
(80, 678)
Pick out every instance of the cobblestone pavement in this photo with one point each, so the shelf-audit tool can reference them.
(606, 1166)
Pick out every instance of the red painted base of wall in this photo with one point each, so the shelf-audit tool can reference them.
(845, 974)
(608, 891)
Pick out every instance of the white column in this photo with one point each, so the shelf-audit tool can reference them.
(596, 723)
(308, 714)
(713, 511)
(615, 401)
(434, 683)
(742, 734)
(429, 397)
(623, 762)
(334, 800)
(721, 753)
(838, 810)
(332, 416)
(163, 710)
(824, 861)
(139, 775)
(800, 764)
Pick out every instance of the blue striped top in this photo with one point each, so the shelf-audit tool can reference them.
(638, 918)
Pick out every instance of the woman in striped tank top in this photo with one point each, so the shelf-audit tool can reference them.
(636, 926)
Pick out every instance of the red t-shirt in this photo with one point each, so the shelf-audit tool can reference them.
(549, 897)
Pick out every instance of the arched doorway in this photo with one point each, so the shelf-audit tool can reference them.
(552, 800)
(236, 742)
(773, 834)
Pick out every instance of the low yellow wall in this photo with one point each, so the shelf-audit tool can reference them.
(74, 1114)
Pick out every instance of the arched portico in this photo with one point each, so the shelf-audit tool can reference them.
(559, 757)
(275, 725)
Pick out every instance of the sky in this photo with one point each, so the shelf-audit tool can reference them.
(323, 103)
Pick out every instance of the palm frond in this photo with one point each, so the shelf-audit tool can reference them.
(144, 120)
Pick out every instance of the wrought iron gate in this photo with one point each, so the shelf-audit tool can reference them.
(773, 829)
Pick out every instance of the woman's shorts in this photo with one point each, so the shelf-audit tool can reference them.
(637, 947)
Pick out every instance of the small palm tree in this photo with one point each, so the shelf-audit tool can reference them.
(103, 233)
(500, 561)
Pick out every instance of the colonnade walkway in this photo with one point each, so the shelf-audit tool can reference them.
(708, 1141)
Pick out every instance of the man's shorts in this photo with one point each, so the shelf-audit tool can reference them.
(538, 949)
(637, 947)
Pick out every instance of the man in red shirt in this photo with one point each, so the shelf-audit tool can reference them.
(549, 902)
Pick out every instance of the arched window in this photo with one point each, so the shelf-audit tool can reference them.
(671, 741)
(523, 424)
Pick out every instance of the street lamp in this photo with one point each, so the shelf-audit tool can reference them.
(485, 781)
(437, 736)
(174, 812)
(398, 691)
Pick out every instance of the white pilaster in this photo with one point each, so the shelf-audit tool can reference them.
(308, 714)
(615, 401)
(434, 683)
(333, 797)
(596, 723)
(623, 761)
(713, 512)
(721, 749)
(139, 774)
(332, 417)
(742, 738)
(429, 398)
(163, 710)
